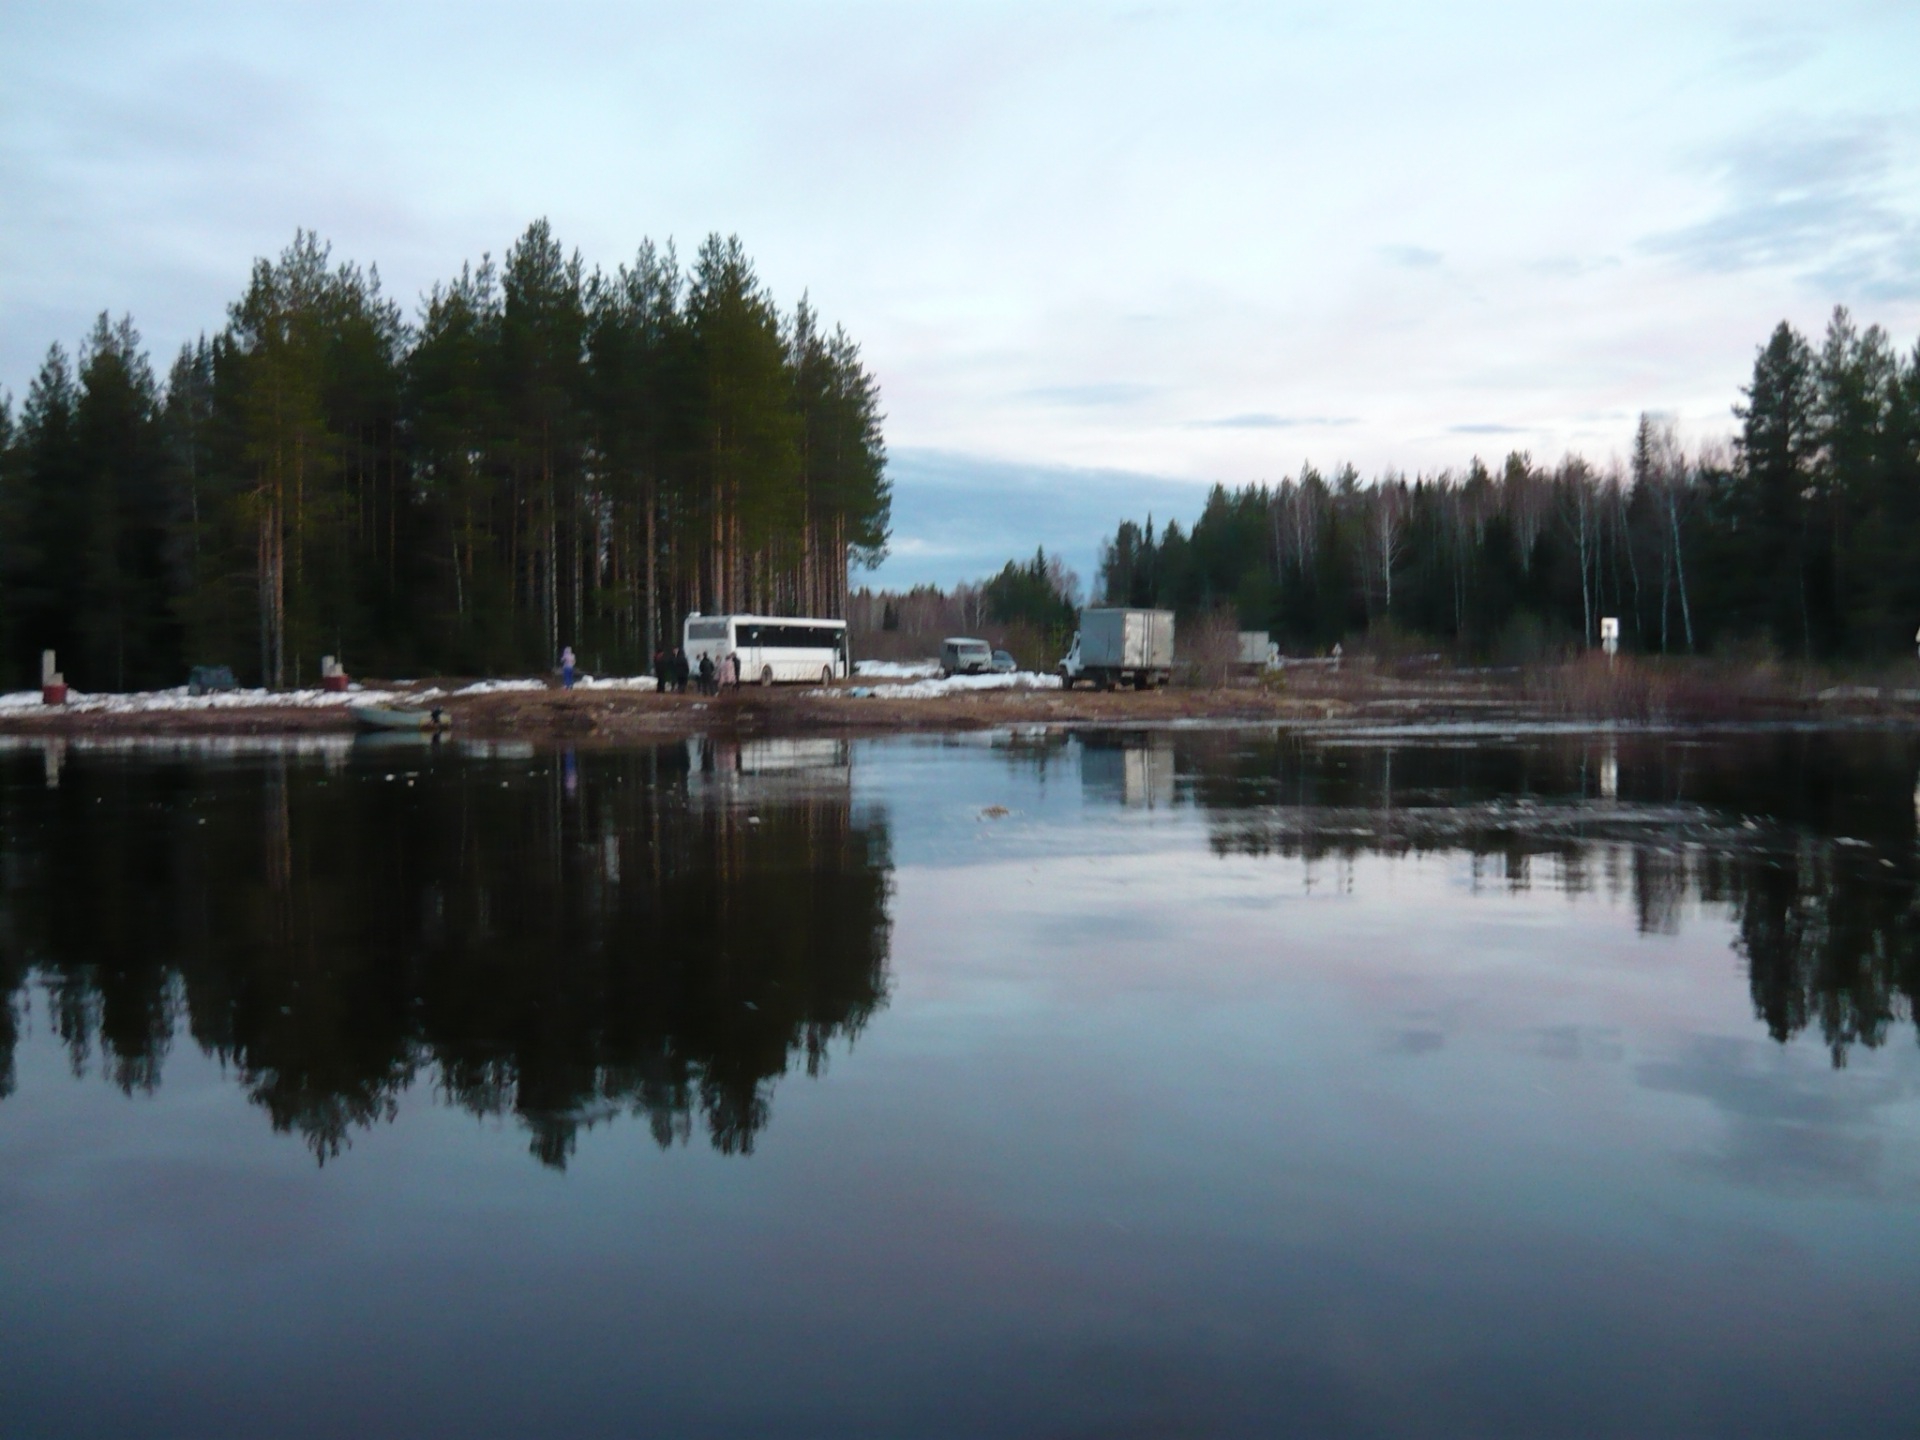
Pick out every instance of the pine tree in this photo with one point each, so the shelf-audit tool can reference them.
(46, 519)
(636, 349)
(122, 622)
(543, 339)
(1856, 381)
(748, 458)
(1776, 447)
(453, 410)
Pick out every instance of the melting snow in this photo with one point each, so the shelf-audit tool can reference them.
(615, 682)
(500, 687)
(932, 689)
(149, 701)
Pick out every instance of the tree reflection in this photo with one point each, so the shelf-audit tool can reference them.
(560, 939)
(1807, 838)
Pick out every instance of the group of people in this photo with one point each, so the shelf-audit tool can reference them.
(672, 671)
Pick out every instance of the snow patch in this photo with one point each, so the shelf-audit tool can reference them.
(500, 687)
(147, 702)
(616, 682)
(895, 669)
(933, 689)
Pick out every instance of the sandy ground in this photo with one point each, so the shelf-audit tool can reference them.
(619, 711)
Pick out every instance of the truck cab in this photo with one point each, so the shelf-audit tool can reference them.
(1070, 668)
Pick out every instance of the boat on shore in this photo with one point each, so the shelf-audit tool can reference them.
(399, 717)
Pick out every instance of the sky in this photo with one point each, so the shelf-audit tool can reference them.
(1100, 257)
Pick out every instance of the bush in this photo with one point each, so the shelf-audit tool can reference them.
(1208, 649)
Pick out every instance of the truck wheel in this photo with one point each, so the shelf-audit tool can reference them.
(1140, 681)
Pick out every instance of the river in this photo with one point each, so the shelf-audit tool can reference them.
(1209, 1082)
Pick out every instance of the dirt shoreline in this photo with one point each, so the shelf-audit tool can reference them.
(1359, 701)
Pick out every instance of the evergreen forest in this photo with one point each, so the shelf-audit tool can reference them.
(543, 456)
(1801, 541)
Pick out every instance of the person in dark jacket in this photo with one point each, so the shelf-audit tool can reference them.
(662, 671)
(680, 673)
(707, 686)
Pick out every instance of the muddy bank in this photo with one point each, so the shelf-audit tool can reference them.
(1356, 699)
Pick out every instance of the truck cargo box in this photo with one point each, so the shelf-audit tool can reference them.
(1126, 639)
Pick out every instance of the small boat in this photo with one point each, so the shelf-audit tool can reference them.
(398, 717)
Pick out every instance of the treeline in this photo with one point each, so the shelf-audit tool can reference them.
(1800, 541)
(545, 455)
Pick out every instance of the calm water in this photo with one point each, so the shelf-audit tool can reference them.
(1193, 1084)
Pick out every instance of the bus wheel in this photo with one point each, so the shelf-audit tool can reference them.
(766, 676)
(826, 675)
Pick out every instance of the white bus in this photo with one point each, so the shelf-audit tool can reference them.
(771, 647)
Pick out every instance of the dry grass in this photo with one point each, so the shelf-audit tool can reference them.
(1208, 649)
(1639, 688)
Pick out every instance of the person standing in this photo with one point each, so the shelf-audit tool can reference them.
(680, 672)
(729, 671)
(566, 667)
(706, 674)
(662, 671)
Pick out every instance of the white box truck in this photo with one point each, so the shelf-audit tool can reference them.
(1256, 651)
(1120, 647)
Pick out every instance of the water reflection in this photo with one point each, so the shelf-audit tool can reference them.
(556, 938)
(1806, 837)
(562, 938)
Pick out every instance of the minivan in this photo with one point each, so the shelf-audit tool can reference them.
(961, 656)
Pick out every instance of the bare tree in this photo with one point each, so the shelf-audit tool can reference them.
(1388, 530)
(1660, 465)
(1579, 512)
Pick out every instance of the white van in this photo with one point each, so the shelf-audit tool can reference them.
(962, 656)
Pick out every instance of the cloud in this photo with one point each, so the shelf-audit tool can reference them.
(1486, 429)
(1415, 1042)
(1824, 204)
(1412, 257)
(1266, 420)
(1110, 392)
